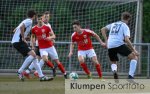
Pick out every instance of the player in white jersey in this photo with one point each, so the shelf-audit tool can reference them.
(119, 34)
(20, 44)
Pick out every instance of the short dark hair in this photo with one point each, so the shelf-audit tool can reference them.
(31, 13)
(126, 15)
(76, 22)
(46, 12)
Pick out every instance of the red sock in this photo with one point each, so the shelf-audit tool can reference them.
(99, 71)
(49, 64)
(61, 67)
(83, 65)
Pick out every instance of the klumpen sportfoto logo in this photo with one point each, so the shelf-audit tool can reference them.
(108, 86)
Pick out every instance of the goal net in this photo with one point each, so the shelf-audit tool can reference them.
(93, 14)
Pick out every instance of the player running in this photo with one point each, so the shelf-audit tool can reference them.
(119, 34)
(85, 48)
(34, 45)
(45, 36)
(20, 44)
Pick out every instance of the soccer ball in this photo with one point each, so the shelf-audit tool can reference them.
(73, 76)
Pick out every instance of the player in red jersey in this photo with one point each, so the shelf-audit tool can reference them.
(85, 48)
(45, 37)
(34, 45)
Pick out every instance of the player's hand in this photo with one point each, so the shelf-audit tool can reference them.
(70, 54)
(49, 39)
(104, 45)
(23, 39)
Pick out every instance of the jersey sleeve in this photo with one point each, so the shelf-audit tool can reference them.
(108, 26)
(27, 23)
(72, 37)
(89, 32)
(126, 30)
(50, 27)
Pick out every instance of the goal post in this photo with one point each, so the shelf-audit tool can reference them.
(93, 14)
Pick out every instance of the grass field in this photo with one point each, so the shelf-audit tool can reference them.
(12, 85)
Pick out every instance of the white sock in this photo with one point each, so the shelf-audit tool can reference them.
(27, 61)
(41, 63)
(31, 66)
(114, 67)
(37, 67)
(132, 68)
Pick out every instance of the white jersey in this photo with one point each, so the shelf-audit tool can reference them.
(17, 35)
(118, 31)
(48, 24)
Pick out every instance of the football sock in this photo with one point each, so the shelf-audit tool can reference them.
(83, 65)
(27, 61)
(61, 67)
(41, 63)
(114, 67)
(37, 67)
(99, 71)
(132, 68)
(49, 64)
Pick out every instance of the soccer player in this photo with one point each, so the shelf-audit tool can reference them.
(45, 36)
(20, 44)
(34, 45)
(119, 34)
(85, 48)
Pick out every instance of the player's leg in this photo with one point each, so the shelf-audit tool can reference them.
(54, 56)
(125, 51)
(92, 55)
(30, 68)
(22, 47)
(112, 53)
(81, 56)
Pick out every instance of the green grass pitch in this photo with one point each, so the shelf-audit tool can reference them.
(12, 85)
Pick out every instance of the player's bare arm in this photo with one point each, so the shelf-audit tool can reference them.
(22, 28)
(33, 41)
(71, 49)
(99, 39)
(103, 31)
(51, 37)
(127, 40)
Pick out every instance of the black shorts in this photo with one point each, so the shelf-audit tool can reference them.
(37, 51)
(122, 50)
(22, 47)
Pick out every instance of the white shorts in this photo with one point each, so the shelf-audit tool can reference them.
(51, 51)
(89, 53)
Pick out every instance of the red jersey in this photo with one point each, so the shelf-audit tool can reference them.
(83, 40)
(42, 33)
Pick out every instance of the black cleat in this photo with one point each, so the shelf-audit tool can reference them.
(65, 76)
(131, 79)
(116, 77)
(45, 78)
(54, 71)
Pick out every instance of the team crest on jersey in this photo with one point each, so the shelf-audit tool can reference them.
(84, 36)
(43, 30)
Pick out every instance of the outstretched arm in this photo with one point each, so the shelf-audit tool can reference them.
(103, 31)
(71, 49)
(99, 39)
